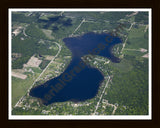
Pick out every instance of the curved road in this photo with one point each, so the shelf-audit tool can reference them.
(21, 99)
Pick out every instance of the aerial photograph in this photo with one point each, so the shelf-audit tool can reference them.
(68, 63)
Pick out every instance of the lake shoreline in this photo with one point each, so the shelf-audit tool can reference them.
(83, 85)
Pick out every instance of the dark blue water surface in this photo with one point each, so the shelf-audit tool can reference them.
(79, 81)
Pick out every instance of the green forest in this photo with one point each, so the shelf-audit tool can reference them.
(33, 31)
(130, 87)
(30, 45)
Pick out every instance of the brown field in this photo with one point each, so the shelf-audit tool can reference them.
(49, 57)
(145, 56)
(33, 62)
(21, 71)
(19, 75)
(17, 31)
(48, 33)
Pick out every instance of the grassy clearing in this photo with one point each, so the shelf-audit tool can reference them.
(133, 53)
(123, 66)
(137, 39)
(48, 33)
(20, 87)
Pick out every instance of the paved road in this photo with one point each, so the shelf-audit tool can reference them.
(124, 44)
(21, 99)
(46, 67)
(24, 33)
(101, 95)
(78, 27)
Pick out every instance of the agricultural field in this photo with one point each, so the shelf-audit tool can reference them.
(21, 86)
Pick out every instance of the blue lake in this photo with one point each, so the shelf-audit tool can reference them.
(79, 81)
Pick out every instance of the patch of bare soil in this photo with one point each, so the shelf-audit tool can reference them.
(33, 62)
(19, 75)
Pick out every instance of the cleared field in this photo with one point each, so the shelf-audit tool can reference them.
(124, 66)
(145, 56)
(20, 86)
(17, 31)
(19, 75)
(47, 57)
(33, 62)
(48, 33)
(137, 38)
